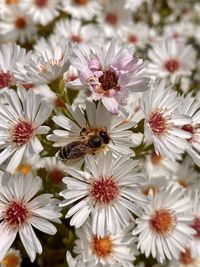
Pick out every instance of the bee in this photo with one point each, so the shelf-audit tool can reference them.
(88, 145)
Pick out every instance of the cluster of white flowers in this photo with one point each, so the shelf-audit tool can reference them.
(100, 108)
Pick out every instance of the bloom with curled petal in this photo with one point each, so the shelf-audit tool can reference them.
(110, 75)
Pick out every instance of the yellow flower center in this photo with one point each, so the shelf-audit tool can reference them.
(11, 260)
(24, 168)
(102, 247)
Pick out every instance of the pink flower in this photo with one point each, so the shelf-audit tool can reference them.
(109, 73)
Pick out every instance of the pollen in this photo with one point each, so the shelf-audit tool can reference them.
(24, 168)
(12, 259)
(157, 123)
(5, 80)
(104, 190)
(23, 132)
(186, 257)
(20, 23)
(172, 65)
(162, 222)
(196, 227)
(102, 247)
(16, 214)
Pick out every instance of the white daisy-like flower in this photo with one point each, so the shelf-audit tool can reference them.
(186, 176)
(179, 31)
(195, 224)
(113, 17)
(80, 263)
(19, 212)
(159, 166)
(171, 59)
(186, 259)
(55, 168)
(107, 250)
(82, 9)
(138, 34)
(75, 31)
(153, 186)
(21, 120)
(41, 11)
(12, 259)
(49, 62)
(110, 74)
(5, 5)
(163, 227)
(107, 189)
(11, 55)
(163, 121)
(133, 5)
(103, 131)
(16, 25)
(191, 108)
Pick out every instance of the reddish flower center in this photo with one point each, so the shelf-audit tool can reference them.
(157, 123)
(196, 227)
(172, 65)
(104, 190)
(16, 214)
(182, 183)
(102, 247)
(10, 2)
(155, 158)
(11, 260)
(56, 175)
(186, 257)
(23, 132)
(111, 18)
(162, 221)
(80, 2)
(132, 39)
(109, 83)
(175, 35)
(41, 3)
(76, 38)
(5, 80)
(20, 23)
(59, 103)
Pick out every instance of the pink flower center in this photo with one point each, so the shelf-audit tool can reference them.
(157, 123)
(76, 39)
(104, 190)
(16, 214)
(23, 132)
(162, 221)
(172, 65)
(111, 18)
(186, 257)
(109, 83)
(5, 80)
(20, 23)
(196, 227)
(132, 38)
(41, 3)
